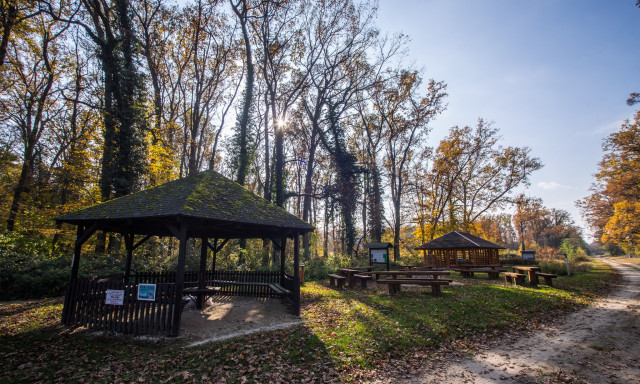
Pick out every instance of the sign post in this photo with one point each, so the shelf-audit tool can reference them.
(566, 262)
(379, 253)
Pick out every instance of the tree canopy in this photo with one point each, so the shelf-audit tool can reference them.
(308, 104)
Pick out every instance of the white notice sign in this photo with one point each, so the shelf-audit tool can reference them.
(379, 256)
(114, 297)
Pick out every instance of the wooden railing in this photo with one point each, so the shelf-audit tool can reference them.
(191, 277)
(85, 306)
(85, 298)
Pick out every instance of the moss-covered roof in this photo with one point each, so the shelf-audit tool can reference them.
(458, 240)
(207, 197)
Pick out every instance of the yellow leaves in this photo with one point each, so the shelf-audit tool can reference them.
(623, 227)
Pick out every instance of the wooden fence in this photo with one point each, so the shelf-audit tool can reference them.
(85, 306)
(235, 283)
(85, 299)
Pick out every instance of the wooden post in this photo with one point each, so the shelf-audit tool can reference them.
(77, 249)
(177, 307)
(67, 309)
(283, 247)
(82, 234)
(215, 255)
(128, 244)
(202, 274)
(296, 280)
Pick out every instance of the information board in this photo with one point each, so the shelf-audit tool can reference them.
(147, 292)
(379, 256)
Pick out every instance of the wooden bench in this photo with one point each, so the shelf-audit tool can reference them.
(394, 284)
(336, 279)
(363, 279)
(518, 278)
(279, 289)
(547, 277)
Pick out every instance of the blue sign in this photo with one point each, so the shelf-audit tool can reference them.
(147, 292)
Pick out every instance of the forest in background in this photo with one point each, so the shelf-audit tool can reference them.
(306, 103)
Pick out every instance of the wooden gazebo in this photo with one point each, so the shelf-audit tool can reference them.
(454, 247)
(205, 206)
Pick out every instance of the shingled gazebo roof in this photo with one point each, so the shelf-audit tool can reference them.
(459, 240)
(214, 206)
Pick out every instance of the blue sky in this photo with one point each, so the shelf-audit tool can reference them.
(553, 75)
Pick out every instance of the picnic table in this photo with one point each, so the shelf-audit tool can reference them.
(365, 268)
(431, 278)
(531, 272)
(200, 295)
(349, 273)
(410, 273)
(492, 270)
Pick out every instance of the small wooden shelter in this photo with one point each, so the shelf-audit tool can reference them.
(454, 247)
(205, 206)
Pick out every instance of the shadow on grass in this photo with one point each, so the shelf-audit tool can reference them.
(50, 352)
(10, 308)
(362, 327)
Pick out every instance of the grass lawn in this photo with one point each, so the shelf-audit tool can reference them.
(347, 335)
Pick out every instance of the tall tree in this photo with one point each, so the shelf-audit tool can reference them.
(340, 36)
(406, 115)
(28, 100)
(12, 14)
(616, 192)
(242, 9)
(207, 55)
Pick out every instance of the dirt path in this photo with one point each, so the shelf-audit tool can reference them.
(599, 344)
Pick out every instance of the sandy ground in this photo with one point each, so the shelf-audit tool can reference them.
(226, 317)
(599, 344)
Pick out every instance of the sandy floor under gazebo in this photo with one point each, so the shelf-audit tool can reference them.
(226, 317)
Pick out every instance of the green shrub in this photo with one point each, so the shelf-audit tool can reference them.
(31, 268)
(560, 268)
(516, 260)
(317, 268)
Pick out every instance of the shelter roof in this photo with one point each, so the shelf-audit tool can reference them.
(213, 205)
(458, 240)
(378, 245)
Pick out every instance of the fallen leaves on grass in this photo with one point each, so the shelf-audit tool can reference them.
(348, 336)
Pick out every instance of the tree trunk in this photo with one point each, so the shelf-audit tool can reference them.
(27, 165)
(243, 161)
(8, 22)
(308, 189)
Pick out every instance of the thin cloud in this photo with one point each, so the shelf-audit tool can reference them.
(609, 128)
(552, 185)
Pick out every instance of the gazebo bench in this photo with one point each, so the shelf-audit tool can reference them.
(516, 278)
(547, 277)
(279, 289)
(394, 284)
(336, 279)
(275, 287)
